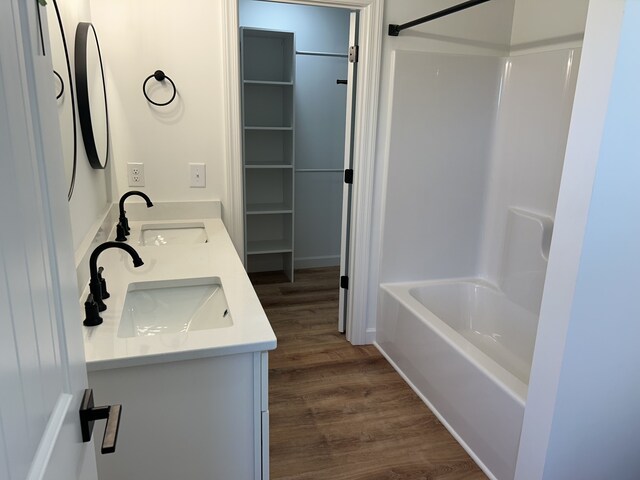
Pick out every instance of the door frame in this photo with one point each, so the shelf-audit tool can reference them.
(366, 122)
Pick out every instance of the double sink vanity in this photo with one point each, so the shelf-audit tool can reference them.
(182, 346)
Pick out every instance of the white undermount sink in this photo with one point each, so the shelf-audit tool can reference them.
(174, 306)
(173, 234)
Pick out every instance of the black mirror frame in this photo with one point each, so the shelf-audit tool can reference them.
(84, 105)
(72, 183)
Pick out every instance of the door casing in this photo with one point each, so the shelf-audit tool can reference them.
(365, 127)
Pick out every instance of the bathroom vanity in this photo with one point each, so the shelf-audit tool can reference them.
(183, 347)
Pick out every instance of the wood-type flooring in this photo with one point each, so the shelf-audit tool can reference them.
(339, 411)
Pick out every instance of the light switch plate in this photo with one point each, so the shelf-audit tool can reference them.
(198, 175)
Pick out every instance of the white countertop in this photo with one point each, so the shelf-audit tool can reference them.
(250, 331)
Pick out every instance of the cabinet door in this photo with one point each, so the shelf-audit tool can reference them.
(191, 419)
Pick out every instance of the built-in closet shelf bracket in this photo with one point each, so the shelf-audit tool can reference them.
(394, 29)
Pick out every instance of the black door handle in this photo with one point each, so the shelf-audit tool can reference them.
(341, 82)
(89, 413)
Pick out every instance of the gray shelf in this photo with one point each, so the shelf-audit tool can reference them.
(268, 165)
(268, 186)
(261, 247)
(278, 129)
(268, 78)
(268, 105)
(268, 208)
(268, 55)
(268, 147)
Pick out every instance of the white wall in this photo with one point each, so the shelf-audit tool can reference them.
(596, 423)
(90, 197)
(138, 38)
(540, 22)
(582, 398)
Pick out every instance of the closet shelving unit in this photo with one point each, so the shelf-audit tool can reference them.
(268, 77)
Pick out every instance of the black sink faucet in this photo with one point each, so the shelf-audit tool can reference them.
(97, 284)
(123, 222)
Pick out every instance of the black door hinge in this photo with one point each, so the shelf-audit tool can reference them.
(353, 53)
(348, 176)
(344, 282)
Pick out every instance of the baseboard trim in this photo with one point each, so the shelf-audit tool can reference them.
(317, 262)
(370, 336)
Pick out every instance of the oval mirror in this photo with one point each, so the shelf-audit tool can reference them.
(62, 79)
(92, 96)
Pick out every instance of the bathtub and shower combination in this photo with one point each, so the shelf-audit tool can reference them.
(476, 150)
(466, 345)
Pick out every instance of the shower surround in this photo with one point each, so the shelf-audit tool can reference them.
(475, 161)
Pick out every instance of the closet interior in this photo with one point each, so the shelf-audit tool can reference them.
(294, 61)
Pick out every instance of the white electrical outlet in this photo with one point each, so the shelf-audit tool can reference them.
(135, 172)
(198, 175)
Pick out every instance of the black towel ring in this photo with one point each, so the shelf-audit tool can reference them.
(159, 76)
(61, 85)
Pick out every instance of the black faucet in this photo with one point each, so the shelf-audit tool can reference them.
(97, 284)
(122, 228)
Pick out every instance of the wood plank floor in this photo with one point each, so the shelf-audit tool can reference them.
(338, 411)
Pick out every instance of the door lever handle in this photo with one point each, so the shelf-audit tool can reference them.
(89, 413)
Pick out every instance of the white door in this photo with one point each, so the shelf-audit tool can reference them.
(346, 196)
(42, 375)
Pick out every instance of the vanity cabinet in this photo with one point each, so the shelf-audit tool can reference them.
(268, 78)
(202, 418)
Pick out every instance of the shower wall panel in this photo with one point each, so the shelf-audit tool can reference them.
(443, 120)
(531, 138)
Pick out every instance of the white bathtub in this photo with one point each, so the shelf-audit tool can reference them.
(466, 349)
